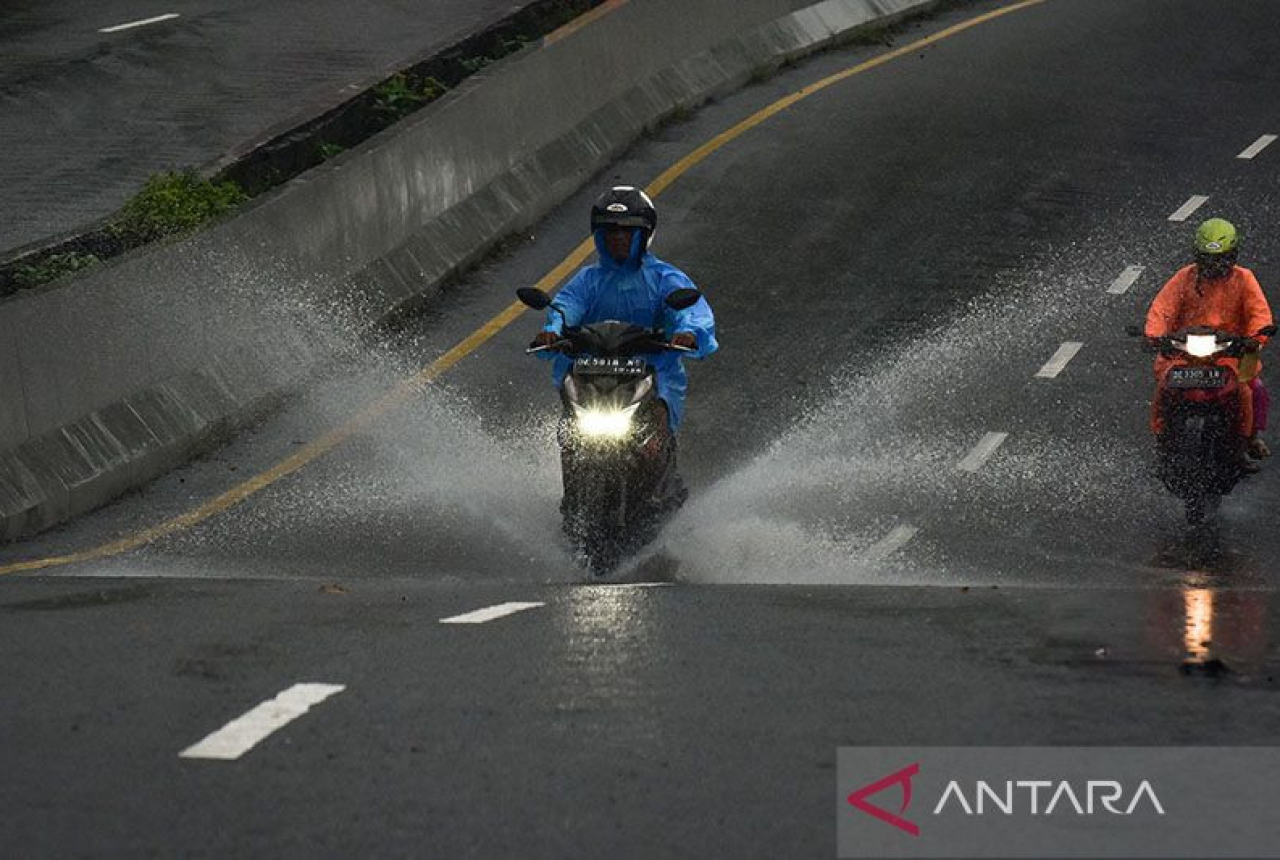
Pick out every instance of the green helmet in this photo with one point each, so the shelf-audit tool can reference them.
(1216, 236)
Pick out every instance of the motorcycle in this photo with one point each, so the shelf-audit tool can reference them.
(617, 452)
(1198, 452)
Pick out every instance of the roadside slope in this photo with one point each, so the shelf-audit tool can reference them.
(86, 117)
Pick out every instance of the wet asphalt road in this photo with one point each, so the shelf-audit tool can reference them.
(86, 117)
(885, 300)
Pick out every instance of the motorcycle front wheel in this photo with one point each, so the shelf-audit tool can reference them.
(1201, 508)
(592, 524)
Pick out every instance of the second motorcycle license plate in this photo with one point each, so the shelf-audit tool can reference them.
(1197, 377)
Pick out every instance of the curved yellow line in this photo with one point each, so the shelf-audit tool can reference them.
(399, 395)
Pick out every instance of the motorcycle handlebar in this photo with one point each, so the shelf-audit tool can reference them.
(558, 346)
(564, 344)
(1165, 346)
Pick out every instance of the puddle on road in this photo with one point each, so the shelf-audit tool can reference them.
(1211, 630)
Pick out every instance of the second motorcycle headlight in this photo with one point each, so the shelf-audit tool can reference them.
(1202, 345)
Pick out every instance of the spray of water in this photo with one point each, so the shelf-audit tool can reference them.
(438, 482)
(882, 452)
(429, 487)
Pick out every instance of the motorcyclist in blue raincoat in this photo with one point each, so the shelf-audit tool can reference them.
(629, 284)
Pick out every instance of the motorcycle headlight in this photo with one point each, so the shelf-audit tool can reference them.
(1201, 345)
(605, 423)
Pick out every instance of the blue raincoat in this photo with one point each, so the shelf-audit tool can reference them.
(634, 292)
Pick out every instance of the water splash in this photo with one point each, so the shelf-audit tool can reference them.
(882, 452)
(431, 487)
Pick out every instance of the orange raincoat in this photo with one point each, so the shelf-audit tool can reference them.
(1232, 304)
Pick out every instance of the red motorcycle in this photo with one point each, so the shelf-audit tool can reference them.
(1199, 445)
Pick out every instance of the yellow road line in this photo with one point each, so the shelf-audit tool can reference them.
(578, 23)
(412, 386)
(700, 154)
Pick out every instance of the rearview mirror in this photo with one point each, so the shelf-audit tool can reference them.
(534, 298)
(1269, 331)
(678, 300)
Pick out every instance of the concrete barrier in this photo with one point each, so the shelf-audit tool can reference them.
(110, 379)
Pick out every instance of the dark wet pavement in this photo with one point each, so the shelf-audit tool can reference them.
(884, 301)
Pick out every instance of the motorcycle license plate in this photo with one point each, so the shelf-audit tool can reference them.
(1196, 377)
(609, 367)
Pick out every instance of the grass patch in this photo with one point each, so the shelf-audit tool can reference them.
(402, 94)
(329, 150)
(177, 202)
(172, 203)
(52, 268)
(471, 65)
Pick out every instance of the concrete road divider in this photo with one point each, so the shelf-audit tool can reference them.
(112, 378)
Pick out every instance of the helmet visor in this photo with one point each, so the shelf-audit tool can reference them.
(609, 221)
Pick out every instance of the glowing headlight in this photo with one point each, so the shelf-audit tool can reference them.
(613, 424)
(1201, 345)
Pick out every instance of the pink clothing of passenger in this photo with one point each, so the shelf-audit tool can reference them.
(1261, 404)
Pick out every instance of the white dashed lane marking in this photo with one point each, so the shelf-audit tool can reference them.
(1059, 361)
(989, 444)
(244, 733)
(489, 613)
(597, 586)
(144, 22)
(890, 543)
(1257, 146)
(1186, 210)
(1127, 279)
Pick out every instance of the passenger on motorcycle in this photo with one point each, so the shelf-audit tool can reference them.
(630, 284)
(1213, 291)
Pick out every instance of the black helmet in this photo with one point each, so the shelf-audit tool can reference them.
(625, 206)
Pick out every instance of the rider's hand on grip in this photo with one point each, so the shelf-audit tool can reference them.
(1251, 345)
(685, 340)
(545, 339)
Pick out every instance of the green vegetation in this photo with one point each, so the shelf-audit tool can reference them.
(329, 150)
(53, 267)
(471, 65)
(177, 202)
(172, 203)
(401, 95)
(506, 47)
(510, 46)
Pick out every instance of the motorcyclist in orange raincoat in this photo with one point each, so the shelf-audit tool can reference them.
(1213, 291)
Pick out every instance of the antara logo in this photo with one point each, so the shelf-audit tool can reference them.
(1099, 795)
(1033, 796)
(859, 799)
